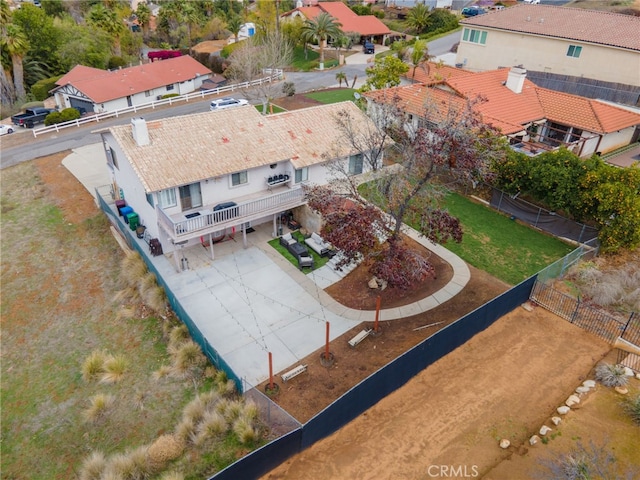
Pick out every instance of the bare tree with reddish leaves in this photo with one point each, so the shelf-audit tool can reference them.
(452, 141)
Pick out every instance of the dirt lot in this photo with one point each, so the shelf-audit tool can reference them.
(504, 383)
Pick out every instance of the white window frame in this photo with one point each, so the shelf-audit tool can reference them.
(167, 198)
(301, 174)
(240, 178)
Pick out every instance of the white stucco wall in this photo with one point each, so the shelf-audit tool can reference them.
(542, 54)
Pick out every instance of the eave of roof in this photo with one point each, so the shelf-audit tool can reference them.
(589, 26)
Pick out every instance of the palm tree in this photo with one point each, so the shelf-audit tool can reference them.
(234, 25)
(16, 44)
(144, 14)
(320, 29)
(418, 18)
(108, 21)
(420, 55)
(340, 76)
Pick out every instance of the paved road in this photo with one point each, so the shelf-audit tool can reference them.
(14, 152)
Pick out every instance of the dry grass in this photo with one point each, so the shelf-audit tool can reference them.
(99, 407)
(114, 369)
(245, 431)
(93, 466)
(94, 365)
(165, 449)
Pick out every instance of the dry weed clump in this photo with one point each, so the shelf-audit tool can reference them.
(114, 369)
(165, 449)
(212, 426)
(611, 375)
(93, 467)
(133, 269)
(188, 358)
(93, 366)
(132, 464)
(245, 431)
(162, 372)
(172, 476)
(99, 407)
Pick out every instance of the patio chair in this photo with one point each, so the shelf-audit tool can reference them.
(287, 239)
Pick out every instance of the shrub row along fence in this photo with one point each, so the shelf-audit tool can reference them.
(374, 388)
(196, 335)
(538, 217)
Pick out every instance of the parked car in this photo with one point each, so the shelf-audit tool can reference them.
(368, 47)
(227, 102)
(6, 129)
(472, 11)
(532, 2)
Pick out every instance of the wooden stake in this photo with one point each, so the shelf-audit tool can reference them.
(270, 371)
(326, 348)
(375, 324)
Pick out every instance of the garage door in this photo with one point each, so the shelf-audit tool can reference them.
(77, 103)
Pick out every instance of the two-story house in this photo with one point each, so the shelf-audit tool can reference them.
(97, 90)
(586, 52)
(192, 178)
(534, 119)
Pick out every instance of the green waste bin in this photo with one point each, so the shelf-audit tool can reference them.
(133, 220)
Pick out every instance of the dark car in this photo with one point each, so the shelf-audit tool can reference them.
(472, 11)
(368, 47)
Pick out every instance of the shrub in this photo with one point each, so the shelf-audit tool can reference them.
(632, 407)
(611, 375)
(229, 49)
(133, 268)
(169, 95)
(93, 366)
(98, 408)
(114, 368)
(188, 357)
(185, 431)
(172, 476)
(163, 450)
(93, 467)
(116, 62)
(40, 90)
(178, 335)
(66, 115)
(213, 425)
(243, 428)
(194, 410)
(289, 89)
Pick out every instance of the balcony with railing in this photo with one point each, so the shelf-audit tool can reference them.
(212, 219)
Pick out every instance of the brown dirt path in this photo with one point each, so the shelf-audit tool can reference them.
(504, 383)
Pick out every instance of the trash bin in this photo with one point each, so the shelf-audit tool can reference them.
(124, 211)
(133, 220)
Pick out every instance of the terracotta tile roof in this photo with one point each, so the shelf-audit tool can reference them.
(192, 148)
(350, 21)
(432, 73)
(103, 86)
(509, 111)
(590, 26)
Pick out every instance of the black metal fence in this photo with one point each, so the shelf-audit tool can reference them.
(377, 386)
(585, 316)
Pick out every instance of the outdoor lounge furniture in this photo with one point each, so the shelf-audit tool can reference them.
(287, 239)
(318, 245)
(305, 261)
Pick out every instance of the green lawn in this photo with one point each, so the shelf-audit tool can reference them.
(304, 62)
(500, 246)
(271, 108)
(333, 96)
(318, 261)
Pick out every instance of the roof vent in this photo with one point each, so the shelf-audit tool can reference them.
(140, 131)
(515, 78)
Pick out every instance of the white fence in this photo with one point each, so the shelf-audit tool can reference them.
(276, 74)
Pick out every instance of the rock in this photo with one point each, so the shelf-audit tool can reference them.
(589, 383)
(572, 400)
(582, 390)
(638, 376)
(622, 390)
(544, 430)
(628, 372)
(556, 420)
(504, 443)
(373, 283)
(527, 306)
(534, 439)
(563, 410)
(382, 284)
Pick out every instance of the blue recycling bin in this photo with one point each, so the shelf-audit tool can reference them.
(124, 211)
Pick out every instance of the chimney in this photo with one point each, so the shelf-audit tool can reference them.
(515, 79)
(140, 131)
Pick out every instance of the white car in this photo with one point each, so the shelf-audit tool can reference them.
(227, 102)
(532, 2)
(5, 129)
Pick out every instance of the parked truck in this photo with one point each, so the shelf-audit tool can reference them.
(31, 117)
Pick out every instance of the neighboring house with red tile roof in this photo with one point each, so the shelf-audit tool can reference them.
(98, 90)
(368, 26)
(554, 41)
(174, 172)
(534, 119)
